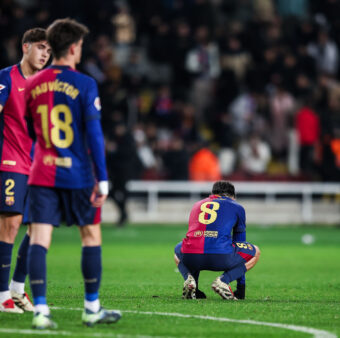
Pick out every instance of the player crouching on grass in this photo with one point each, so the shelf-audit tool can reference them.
(64, 107)
(15, 162)
(216, 241)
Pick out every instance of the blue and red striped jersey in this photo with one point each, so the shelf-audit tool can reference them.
(15, 143)
(65, 110)
(212, 224)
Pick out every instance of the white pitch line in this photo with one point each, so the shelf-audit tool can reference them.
(315, 332)
(67, 333)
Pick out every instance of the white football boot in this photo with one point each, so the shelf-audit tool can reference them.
(189, 288)
(10, 307)
(223, 289)
(22, 301)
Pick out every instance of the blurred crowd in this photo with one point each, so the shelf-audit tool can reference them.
(204, 89)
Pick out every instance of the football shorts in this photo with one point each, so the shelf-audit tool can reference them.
(13, 192)
(54, 205)
(242, 253)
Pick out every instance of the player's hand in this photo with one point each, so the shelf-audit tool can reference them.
(240, 292)
(97, 198)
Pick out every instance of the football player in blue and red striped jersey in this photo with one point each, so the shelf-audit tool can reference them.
(216, 241)
(65, 110)
(15, 162)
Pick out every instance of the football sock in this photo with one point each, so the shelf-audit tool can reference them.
(234, 273)
(5, 264)
(36, 265)
(42, 308)
(20, 271)
(183, 270)
(241, 280)
(93, 305)
(91, 266)
(17, 287)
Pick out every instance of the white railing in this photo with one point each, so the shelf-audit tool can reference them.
(270, 190)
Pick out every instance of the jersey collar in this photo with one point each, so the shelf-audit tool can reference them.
(20, 70)
(215, 196)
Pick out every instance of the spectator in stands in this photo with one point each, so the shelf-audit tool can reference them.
(325, 52)
(254, 155)
(204, 64)
(282, 105)
(204, 166)
(308, 129)
(123, 165)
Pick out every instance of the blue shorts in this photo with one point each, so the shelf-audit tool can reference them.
(13, 190)
(242, 253)
(54, 205)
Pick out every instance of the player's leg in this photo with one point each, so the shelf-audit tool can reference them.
(17, 285)
(92, 269)
(45, 212)
(188, 286)
(244, 258)
(9, 226)
(13, 190)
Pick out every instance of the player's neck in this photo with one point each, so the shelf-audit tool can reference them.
(65, 61)
(26, 69)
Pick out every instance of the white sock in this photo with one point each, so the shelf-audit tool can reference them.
(94, 305)
(4, 295)
(42, 308)
(17, 287)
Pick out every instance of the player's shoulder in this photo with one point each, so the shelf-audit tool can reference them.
(7, 71)
(232, 203)
(82, 78)
(38, 77)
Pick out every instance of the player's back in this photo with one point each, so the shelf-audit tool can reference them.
(211, 223)
(60, 101)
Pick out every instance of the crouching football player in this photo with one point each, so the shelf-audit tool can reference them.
(216, 241)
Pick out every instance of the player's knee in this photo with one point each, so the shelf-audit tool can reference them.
(258, 251)
(176, 259)
(9, 230)
(90, 235)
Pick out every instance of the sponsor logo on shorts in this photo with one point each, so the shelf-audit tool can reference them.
(5, 265)
(9, 200)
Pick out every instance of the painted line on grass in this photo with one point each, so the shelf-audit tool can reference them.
(67, 333)
(315, 332)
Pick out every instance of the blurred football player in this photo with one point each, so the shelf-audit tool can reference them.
(216, 241)
(65, 110)
(15, 162)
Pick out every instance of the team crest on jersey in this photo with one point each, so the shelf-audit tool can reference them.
(97, 103)
(2, 87)
(48, 160)
(9, 200)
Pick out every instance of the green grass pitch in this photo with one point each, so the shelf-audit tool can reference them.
(293, 284)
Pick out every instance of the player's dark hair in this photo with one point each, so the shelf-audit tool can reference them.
(62, 33)
(223, 188)
(34, 35)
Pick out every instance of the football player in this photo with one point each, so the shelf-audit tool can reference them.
(65, 110)
(15, 162)
(216, 241)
